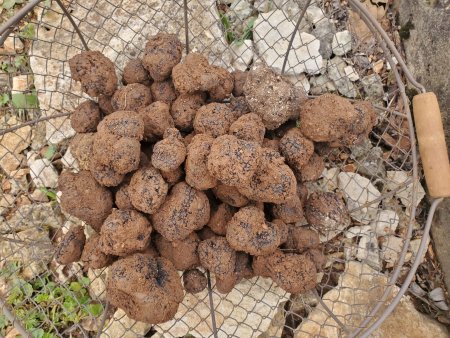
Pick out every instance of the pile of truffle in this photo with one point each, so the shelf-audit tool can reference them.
(172, 178)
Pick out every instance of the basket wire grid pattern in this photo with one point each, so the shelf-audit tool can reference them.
(119, 30)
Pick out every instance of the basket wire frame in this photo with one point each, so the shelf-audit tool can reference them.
(119, 31)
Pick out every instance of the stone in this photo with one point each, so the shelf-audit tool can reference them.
(359, 29)
(69, 161)
(342, 43)
(299, 80)
(336, 73)
(58, 130)
(358, 231)
(329, 180)
(373, 87)
(398, 180)
(43, 173)
(414, 248)
(12, 144)
(13, 44)
(360, 150)
(322, 28)
(39, 196)
(271, 34)
(6, 202)
(243, 54)
(385, 223)
(321, 84)
(359, 288)
(97, 285)
(122, 326)
(30, 216)
(368, 252)
(378, 66)
(351, 73)
(19, 181)
(21, 83)
(436, 295)
(360, 195)
(31, 247)
(247, 311)
(372, 164)
(239, 11)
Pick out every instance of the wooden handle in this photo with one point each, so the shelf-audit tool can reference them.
(432, 147)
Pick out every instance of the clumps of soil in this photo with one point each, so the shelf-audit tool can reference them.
(148, 289)
(194, 281)
(169, 153)
(124, 232)
(273, 98)
(85, 117)
(71, 246)
(134, 72)
(249, 127)
(92, 256)
(95, 72)
(131, 97)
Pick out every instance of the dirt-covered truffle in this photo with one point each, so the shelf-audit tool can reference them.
(317, 257)
(173, 176)
(124, 232)
(196, 168)
(124, 124)
(239, 106)
(104, 103)
(81, 149)
(206, 233)
(122, 197)
(71, 246)
(217, 256)
(296, 149)
(92, 257)
(184, 108)
(183, 253)
(230, 195)
(85, 117)
(243, 267)
(169, 153)
(162, 52)
(326, 211)
(157, 119)
(239, 81)
(290, 211)
(312, 170)
(95, 72)
(148, 289)
(220, 218)
(271, 144)
(248, 231)
(134, 72)
(84, 198)
(259, 266)
(147, 189)
(184, 210)
(270, 96)
(214, 119)
(248, 127)
(226, 283)
(331, 118)
(233, 161)
(104, 174)
(303, 238)
(163, 91)
(131, 97)
(194, 281)
(273, 181)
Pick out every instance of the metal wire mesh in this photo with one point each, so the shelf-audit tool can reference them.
(32, 222)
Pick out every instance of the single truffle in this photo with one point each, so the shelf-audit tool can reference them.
(147, 189)
(134, 72)
(220, 218)
(214, 119)
(124, 124)
(248, 127)
(81, 149)
(230, 195)
(196, 168)
(296, 148)
(290, 211)
(71, 246)
(248, 231)
(217, 256)
(233, 161)
(131, 97)
(184, 210)
(163, 91)
(85, 117)
(312, 170)
(104, 103)
(169, 153)
(318, 258)
(173, 176)
(92, 257)
(239, 106)
(239, 81)
(183, 253)
(184, 108)
(122, 197)
(148, 289)
(84, 198)
(271, 144)
(304, 238)
(104, 174)
(243, 267)
(95, 72)
(162, 52)
(226, 283)
(206, 233)
(270, 96)
(194, 281)
(326, 211)
(157, 120)
(124, 232)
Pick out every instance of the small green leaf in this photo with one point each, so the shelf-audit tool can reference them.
(85, 281)
(42, 297)
(4, 99)
(27, 32)
(75, 286)
(27, 289)
(50, 152)
(95, 309)
(50, 193)
(24, 101)
(3, 322)
(38, 333)
(8, 4)
(20, 61)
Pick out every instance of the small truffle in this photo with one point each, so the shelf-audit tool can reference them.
(104, 174)
(157, 120)
(71, 246)
(134, 72)
(196, 168)
(289, 212)
(169, 153)
(163, 91)
(122, 197)
(217, 256)
(124, 124)
(183, 253)
(214, 119)
(184, 108)
(296, 149)
(248, 127)
(93, 257)
(194, 281)
(85, 117)
(312, 170)
(239, 81)
(104, 103)
(131, 97)
(81, 149)
(230, 195)
(220, 218)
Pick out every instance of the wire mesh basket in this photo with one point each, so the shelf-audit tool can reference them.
(322, 46)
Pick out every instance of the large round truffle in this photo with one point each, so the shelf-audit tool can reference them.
(214, 119)
(233, 161)
(84, 198)
(131, 97)
(248, 231)
(196, 168)
(248, 127)
(295, 148)
(194, 281)
(124, 232)
(183, 253)
(92, 257)
(147, 189)
(124, 124)
(156, 119)
(326, 211)
(85, 117)
(184, 210)
(162, 52)
(71, 246)
(163, 91)
(169, 153)
(217, 256)
(95, 72)
(220, 218)
(184, 108)
(148, 289)
(230, 195)
(134, 72)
